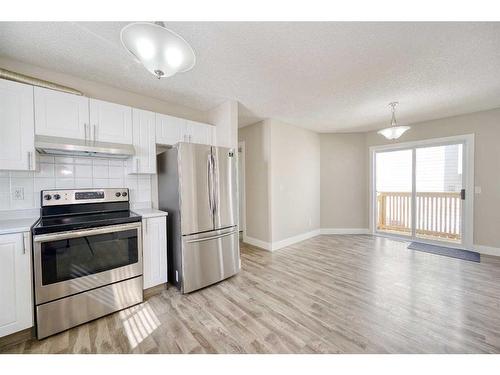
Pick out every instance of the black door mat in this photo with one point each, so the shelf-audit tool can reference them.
(471, 256)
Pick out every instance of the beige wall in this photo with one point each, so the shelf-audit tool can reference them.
(282, 182)
(486, 128)
(105, 92)
(295, 181)
(344, 180)
(282, 175)
(256, 138)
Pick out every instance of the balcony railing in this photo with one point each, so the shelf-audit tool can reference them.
(438, 214)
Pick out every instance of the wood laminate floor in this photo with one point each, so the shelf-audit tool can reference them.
(330, 294)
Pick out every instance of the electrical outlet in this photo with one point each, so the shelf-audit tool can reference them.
(18, 194)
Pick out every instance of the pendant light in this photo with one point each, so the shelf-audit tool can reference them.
(394, 131)
(162, 52)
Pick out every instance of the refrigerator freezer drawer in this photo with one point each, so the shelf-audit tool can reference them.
(209, 257)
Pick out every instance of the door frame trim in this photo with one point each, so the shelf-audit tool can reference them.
(468, 157)
(243, 189)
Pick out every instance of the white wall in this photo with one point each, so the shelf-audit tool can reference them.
(69, 173)
(225, 119)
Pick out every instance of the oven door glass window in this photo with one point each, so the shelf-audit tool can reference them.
(76, 257)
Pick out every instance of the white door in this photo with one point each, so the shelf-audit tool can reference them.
(155, 251)
(110, 122)
(17, 126)
(169, 129)
(61, 115)
(16, 306)
(144, 160)
(198, 133)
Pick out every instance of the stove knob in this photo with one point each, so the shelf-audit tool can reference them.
(118, 194)
(57, 197)
(47, 197)
(124, 194)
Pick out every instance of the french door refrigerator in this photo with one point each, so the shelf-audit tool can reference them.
(197, 186)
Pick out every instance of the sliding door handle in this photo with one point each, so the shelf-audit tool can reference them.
(462, 194)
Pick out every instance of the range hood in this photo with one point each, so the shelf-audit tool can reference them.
(78, 147)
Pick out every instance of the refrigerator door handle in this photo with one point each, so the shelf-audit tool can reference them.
(210, 183)
(216, 188)
(213, 237)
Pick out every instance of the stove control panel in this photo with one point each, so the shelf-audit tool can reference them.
(73, 196)
(84, 195)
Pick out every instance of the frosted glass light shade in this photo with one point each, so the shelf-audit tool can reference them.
(161, 51)
(394, 132)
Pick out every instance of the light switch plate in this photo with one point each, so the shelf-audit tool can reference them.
(18, 194)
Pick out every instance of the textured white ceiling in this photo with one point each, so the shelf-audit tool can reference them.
(322, 76)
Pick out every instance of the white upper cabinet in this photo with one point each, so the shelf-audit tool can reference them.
(169, 129)
(144, 129)
(154, 251)
(16, 303)
(110, 122)
(61, 115)
(198, 132)
(17, 128)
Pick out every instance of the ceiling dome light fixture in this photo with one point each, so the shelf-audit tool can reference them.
(394, 131)
(161, 51)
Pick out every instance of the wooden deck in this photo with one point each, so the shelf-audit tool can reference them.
(438, 214)
(329, 294)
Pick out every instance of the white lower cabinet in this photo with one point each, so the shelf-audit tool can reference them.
(16, 302)
(154, 250)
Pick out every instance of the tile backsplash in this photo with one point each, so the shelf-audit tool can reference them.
(21, 190)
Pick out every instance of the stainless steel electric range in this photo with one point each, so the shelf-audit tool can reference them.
(87, 257)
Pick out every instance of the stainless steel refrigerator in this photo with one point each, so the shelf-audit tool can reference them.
(197, 185)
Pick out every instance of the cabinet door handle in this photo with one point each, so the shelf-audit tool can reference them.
(29, 160)
(95, 132)
(137, 165)
(25, 239)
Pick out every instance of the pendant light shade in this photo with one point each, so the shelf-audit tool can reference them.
(161, 51)
(394, 131)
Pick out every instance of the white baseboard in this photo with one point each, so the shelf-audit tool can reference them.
(255, 242)
(345, 231)
(487, 250)
(291, 240)
(271, 246)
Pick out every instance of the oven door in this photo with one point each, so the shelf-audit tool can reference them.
(70, 262)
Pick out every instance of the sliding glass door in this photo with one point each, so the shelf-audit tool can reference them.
(419, 192)
(393, 191)
(439, 188)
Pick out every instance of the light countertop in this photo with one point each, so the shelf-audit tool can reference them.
(149, 212)
(16, 225)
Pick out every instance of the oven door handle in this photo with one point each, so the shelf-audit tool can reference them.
(85, 232)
